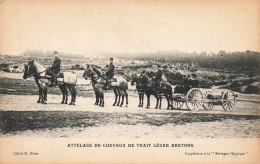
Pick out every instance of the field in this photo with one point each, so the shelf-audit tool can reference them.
(20, 115)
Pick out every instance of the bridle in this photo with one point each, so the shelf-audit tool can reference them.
(29, 70)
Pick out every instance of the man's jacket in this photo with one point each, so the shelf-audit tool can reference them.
(56, 65)
(110, 71)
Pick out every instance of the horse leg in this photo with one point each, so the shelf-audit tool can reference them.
(140, 99)
(123, 96)
(160, 102)
(126, 98)
(169, 98)
(148, 101)
(97, 97)
(116, 94)
(66, 95)
(119, 93)
(45, 93)
(72, 95)
(102, 98)
(63, 93)
(42, 100)
(170, 101)
(40, 95)
(157, 101)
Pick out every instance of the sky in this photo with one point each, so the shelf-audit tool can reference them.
(92, 27)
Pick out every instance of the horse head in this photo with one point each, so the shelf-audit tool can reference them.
(134, 79)
(29, 69)
(25, 74)
(88, 72)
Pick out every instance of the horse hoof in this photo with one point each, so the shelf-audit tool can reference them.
(114, 104)
(96, 104)
(139, 105)
(126, 105)
(156, 107)
(62, 102)
(147, 107)
(120, 105)
(43, 102)
(117, 105)
(66, 102)
(72, 103)
(38, 101)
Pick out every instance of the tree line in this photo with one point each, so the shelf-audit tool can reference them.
(244, 62)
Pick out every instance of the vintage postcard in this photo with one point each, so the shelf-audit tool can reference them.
(142, 81)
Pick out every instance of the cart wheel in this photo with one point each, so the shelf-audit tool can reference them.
(194, 99)
(228, 100)
(177, 104)
(207, 105)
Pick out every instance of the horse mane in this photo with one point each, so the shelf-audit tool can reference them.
(97, 71)
(40, 67)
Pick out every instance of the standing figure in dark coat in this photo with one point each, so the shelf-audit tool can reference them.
(110, 73)
(55, 69)
(158, 78)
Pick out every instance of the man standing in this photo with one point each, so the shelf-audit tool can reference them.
(110, 73)
(158, 78)
(55, 69)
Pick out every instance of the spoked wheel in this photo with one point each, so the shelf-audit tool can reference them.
(177, 104)
(194, 99)
(206, 104)
(228, 100)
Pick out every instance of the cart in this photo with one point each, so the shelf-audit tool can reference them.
(197, 98)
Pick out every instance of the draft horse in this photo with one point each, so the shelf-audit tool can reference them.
(40, 74)
(99, 85)
(149, 86)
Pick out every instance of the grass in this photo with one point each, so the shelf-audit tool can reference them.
(14, 121)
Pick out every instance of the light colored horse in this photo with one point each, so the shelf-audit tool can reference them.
(99, 84)
(40, 74)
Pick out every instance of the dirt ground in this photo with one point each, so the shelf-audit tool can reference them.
(20, 115)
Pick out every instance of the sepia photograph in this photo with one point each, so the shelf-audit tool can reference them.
(143, 81)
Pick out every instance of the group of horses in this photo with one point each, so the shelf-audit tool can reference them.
(145, 84)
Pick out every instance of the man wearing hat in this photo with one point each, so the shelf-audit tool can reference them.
(55, 69)
(110, 72)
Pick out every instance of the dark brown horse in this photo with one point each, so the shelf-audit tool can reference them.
(150, 86)
(38, 71)
(99, 85)
(140, 83)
